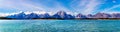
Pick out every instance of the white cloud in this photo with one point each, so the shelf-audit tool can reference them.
(19, 5)
(91, 6)
(82, 6)
(86, 6)
(3, 14)
(114, 1)
(22, 5)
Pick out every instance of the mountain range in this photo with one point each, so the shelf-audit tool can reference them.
(61, 15)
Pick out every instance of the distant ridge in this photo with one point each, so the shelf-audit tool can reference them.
(63, 15)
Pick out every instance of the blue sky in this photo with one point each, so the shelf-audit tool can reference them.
(74, 6)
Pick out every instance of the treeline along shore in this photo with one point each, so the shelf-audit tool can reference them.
(5, 18)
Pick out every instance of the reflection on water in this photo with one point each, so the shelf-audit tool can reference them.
(59, 26)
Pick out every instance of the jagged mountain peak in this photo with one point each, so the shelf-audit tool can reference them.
(63, 15)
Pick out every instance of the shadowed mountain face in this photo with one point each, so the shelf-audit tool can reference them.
(32, 15)
(116, 15)
(62, 15)
(29, 16)
(102, 15)
(18, 16)
(58, 15)
(46, 15)
(81, 16)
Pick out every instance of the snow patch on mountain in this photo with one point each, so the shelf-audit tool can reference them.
(36, 12)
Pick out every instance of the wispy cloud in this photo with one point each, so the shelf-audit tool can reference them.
(20, 5)
(23, 5)
(86, 6)
(110, 9)
(52, 6)
(92, 6)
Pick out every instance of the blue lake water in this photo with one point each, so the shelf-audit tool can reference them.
(59, 25)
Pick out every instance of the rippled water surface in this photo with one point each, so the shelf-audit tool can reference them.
(59, 25)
